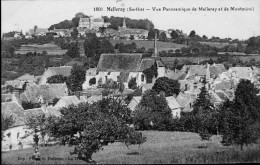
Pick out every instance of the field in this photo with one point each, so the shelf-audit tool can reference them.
(160, 147)
(50, 48)
(150, 44)
(218, 44)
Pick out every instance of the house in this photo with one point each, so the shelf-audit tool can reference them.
(185, 101)
(216, 69)
(45, 93)
(174, 106)
(238, 73)
(134, 102)
(10, 98)
(12, 135)
(38, 31)
(175, 74)
(52, 71)
(66, 101)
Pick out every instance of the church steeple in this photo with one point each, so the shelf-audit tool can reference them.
(124, 24)
(155, 52)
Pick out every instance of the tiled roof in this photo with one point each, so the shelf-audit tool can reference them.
(230, 94)
(183, 99)
(119, 62)
(134, 102)
(14, 109)
(199, 70)
(226, 85)
(222, 95)
(66, 101)
(222, 67)
(6, 97)
(53, 111)
(26, 77)
(13, 83)
(215, 70)
(172, 103)
(146, 63)
(62, 70)
(33, 112)
(47, 91)
(91, 72)
(148, 86)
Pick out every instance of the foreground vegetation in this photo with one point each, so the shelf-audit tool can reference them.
(160, 147)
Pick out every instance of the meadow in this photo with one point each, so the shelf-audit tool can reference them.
(160, 147)
(50, 48)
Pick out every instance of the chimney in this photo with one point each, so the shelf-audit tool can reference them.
(44, 107)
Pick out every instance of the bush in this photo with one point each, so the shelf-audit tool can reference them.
(92, 81)
(132, 83)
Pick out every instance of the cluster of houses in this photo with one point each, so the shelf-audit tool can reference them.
(221, 84)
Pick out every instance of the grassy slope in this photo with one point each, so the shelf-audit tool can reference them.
(161, 147)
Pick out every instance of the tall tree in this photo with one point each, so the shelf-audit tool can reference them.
(73, 50)
(162, 37)
(174, 34)
(76, 78)
(241, 115)
(192, 34)
(153, 112)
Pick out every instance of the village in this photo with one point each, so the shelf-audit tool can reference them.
(98, 82)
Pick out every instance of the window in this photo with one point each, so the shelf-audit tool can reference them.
(186, 87)
(106, 78)
(142, 78)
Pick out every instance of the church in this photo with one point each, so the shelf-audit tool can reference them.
(122, 67)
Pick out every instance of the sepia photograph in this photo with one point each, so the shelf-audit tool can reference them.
(130, 81)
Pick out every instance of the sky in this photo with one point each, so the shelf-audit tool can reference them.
(24, 14)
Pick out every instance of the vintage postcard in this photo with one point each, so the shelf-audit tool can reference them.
(130, 81)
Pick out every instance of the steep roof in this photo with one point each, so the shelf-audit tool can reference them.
(119, 62)
(62, 70)
(33, 112)
(94, 98)
(47, 91)
(134, 102)
(199, 70)
(172, 103)
(222, 95)
(26, 77)
(53, 111)
(215, 70)
(66, 101)
(222, 67)
(6, 97)
(14, 109)
(223, 85)
(146, 63)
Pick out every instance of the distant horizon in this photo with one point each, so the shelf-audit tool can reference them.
(25, 14)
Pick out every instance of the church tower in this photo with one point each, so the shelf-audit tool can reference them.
(155, 52)
(124, 24)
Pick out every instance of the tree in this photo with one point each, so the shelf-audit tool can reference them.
(6, 122)
(132, 83)
(169, 86)
(92, 81)
(152, 112)
(39, 126)
(57, 79)
(151, 33)
(192, 34)
(162, 37)
(132, 37)
(241, 115)
(89, 127)
(76, 78)
(75, 33)
(73, 50)
(174, 34)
